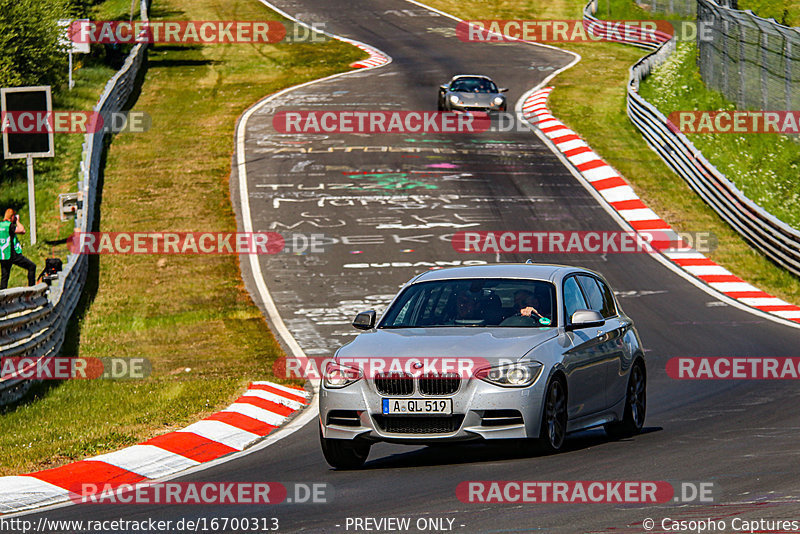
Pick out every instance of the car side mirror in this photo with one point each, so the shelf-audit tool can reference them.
(443, 87)
(504, 89)
(585, 319)
(365, 320)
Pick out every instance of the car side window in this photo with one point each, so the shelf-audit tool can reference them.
(573, 298)
(403, 315)
(593, 294)
(609, 307)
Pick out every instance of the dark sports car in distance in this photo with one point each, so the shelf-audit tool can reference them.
(471, 92)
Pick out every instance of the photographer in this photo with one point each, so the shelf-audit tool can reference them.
(11, 249)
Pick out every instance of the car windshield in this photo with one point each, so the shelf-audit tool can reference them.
(473, 85)
(474, 302)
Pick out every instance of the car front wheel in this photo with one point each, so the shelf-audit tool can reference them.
(554, 416)
(635, 406)
(344, 453)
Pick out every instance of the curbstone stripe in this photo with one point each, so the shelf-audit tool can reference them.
(376, 57)
(260, 410)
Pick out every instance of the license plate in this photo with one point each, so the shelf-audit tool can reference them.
(417, 406)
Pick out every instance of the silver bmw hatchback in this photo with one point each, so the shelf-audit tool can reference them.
(504, 351)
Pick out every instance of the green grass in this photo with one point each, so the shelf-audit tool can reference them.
(621, 10)
(786, 12)
(590, 99)
(117, 10)
(763, 166)
(189, 315)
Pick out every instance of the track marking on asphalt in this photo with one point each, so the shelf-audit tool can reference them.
(312, 410)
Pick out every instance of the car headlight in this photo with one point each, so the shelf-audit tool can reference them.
(498, 101)
(337, 376)
(454, 99)
(514, 375)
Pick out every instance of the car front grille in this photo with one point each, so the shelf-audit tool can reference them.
(419, 425)
(402, 384)
(394, 384)
(439, 384)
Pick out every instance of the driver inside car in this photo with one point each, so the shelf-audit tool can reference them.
(527, 303)
(467, 307)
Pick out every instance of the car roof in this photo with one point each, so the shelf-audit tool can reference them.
(536, 271)
(470, 76)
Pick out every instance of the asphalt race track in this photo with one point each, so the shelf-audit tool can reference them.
(388, 204)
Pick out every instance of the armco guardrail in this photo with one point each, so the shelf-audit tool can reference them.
(33, 320)
(679, 7)
(779, 241)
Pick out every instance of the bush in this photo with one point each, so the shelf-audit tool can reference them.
(29, 50)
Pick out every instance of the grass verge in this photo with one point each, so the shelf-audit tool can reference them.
(189, 315)
(786, 12)
(590, 99)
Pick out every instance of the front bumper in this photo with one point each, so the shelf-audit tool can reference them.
(475, 407)
(466, 108)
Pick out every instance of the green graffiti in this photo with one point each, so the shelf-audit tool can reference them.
(392, 181)
(410, 140)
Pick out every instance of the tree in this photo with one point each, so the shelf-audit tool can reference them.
(29, 49)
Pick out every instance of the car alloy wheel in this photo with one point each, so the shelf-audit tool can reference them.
(344, 453)
(635, 406)
(554, 420)
(637, 396)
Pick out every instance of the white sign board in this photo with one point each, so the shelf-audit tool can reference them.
(68, 27)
